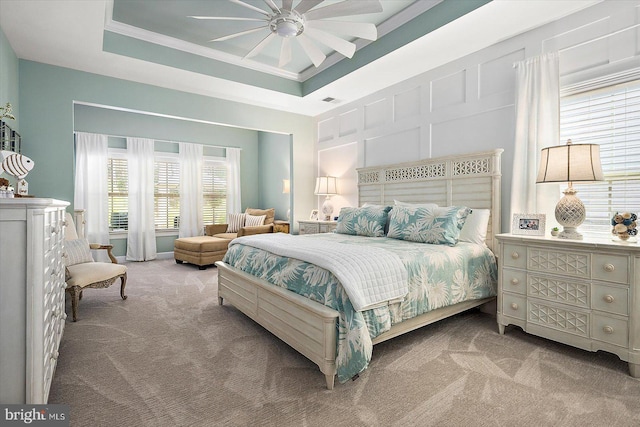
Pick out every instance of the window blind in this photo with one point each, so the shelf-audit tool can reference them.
(609, 117)
(167, 194)
(118, 187)
(214, 187)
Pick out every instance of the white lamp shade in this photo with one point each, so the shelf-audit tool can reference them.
(570, 163)
(326, 185)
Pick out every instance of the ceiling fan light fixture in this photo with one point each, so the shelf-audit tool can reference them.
(287, 24)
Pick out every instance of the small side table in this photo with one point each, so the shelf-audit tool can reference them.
(280, 226)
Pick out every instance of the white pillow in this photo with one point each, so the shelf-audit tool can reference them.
(474, 229)
(254, 220)
(77, 252)
(235, 222)
(415, 205)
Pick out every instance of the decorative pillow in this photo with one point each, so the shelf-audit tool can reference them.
(424, 225)
(415, 205)
(253, 220)
(474, 229)
(235, 222)
(77, 252)
(269, 213)
(365, 221)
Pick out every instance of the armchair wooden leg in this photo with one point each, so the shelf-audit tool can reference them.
(123, 283)
(75, 293)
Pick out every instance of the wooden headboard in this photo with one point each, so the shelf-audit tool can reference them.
(471, 180)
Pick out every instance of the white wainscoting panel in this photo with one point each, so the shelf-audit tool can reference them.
(377, 113)
(406, 147)
(407, 104)
(327, 129)
(341, 162)
(497, 76)
(449, 90)
(349, 122)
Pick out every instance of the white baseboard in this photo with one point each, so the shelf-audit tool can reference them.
(161, 255)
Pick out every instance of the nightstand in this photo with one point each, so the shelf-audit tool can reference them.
(280, 226)
(315, 227)
(584, 293)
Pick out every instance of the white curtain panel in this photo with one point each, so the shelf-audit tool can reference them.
(191, 202)
(141, 238)
(233, 180)
(537, 126)
(91, 192)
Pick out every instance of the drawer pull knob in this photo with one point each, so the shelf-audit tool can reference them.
(515, 255)
(608, 298)
(514, 306)
(515, 281)
(608, 330)
(609, 268)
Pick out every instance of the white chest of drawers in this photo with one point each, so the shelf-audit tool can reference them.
(32, 296)
(582, 293)
(315, 227)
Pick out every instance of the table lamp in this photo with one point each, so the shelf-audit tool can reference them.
(570, 163)
(326, 186)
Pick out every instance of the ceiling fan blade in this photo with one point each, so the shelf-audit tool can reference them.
(225, 18)
(285, 52)
(257, 9)
(306, 5)
(336, 43)
(241, 33)
(287, 4)
(311, 50)
(258, 48)
(272, 6)
(345, 8)
(363, 30)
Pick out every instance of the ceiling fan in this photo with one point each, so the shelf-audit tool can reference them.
(307, 26)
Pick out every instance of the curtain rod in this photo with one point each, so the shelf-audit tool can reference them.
(160, 140)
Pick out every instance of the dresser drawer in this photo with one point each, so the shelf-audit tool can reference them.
(514, 306)
(514, 281)
(610, 330)
(559, 289)
(611, 268)
(309, 228)
(575, 264)
(612, 299)
(515, 256)
(558, 317)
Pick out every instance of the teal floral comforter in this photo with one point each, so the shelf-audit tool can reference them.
(438, 275)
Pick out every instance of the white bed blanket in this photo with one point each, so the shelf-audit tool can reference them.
(370, 276)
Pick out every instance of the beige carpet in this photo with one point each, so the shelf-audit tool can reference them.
(170, 356)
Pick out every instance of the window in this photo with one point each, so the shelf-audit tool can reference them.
(214, 188)
(166, 200)
(609, 117)
(166, 191)
(117, 187)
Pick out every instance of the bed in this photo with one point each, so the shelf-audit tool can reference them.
(323, 332)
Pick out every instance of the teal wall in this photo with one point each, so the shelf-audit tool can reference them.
(9, 80)
(274, 166)
(48, 94)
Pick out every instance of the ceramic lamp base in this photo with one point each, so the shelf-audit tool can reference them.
(327, 209)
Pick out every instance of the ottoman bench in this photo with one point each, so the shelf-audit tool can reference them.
(200, 250)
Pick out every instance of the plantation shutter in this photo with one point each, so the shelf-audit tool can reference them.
(118, 197)
(214, 187)
(609, 117)
(167, 194)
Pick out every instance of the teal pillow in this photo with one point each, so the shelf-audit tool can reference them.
(365, 221)
(426, 225)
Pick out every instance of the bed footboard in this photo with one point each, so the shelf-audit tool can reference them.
(307, 326)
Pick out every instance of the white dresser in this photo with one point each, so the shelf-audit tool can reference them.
(581, 293)
(32, 296)
(315, 227)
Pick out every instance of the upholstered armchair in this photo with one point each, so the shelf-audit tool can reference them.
(83, 272)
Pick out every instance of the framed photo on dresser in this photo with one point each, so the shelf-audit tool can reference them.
(529, 224)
